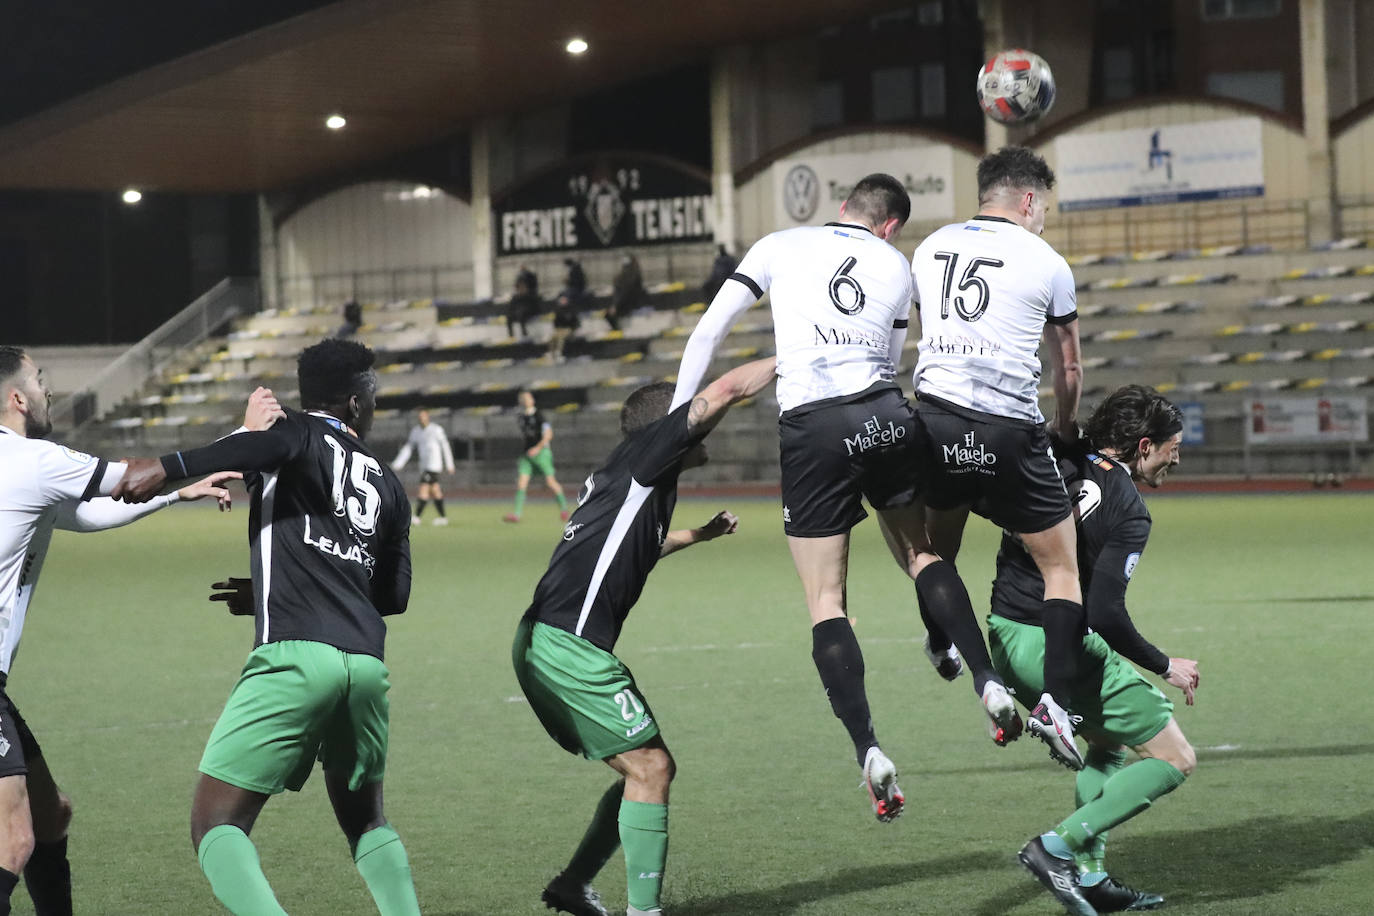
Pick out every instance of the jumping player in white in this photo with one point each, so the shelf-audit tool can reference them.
(988, 288)
(841, 296)
(44, 486)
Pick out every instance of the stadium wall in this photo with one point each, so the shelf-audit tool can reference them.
(1279, 217)
(1352, 154)
(756, 199)
(376, 241)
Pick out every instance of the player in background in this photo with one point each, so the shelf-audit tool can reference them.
(537, 434)
(841, 296)
(43, 487)
(430, 442)
(330, 537)
(584, 696)
(988, 288)
(1133, 437)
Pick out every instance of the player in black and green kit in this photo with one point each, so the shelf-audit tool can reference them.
(1133, 436)
(329, 530)
(585, 697)
(537, 457)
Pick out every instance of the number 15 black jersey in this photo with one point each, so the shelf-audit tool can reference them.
(330, 535)
(986, 287)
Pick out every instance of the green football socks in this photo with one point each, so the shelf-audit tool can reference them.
(602, 838)
(644, 835)
(231, 862)
(519, 502)
(1124, 795)
(562, 502)
(1099, 765)
(381, 860)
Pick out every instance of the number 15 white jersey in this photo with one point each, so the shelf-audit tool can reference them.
(986, 287)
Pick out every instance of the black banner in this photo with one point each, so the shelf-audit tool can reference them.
(608, 200)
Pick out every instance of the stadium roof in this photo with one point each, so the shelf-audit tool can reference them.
(248, 114)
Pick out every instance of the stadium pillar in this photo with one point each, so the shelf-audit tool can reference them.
(1323, 215)
(722, 143)
(994, 40)
(483, 255)
(269, 268)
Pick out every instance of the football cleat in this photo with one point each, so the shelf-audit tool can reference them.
(415, 519)
(510, 517)
(1057, 875)
(1052, 725)
(441, 521)
(1004, 722)
(880, 779)
(947, 662)
(1110, 896)
(565, 515)
(568, 895)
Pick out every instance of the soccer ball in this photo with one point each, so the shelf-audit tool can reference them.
(1015, 86)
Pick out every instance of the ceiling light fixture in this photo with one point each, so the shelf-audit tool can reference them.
(335, 122)
(132, 196)
(576, 46)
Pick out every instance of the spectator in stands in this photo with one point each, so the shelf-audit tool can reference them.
(524, 304)
(575, 284)
(566, 321)
(721, 269)
(353, 319)
(627, 291)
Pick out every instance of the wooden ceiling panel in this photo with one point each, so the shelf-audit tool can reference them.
(248, 115)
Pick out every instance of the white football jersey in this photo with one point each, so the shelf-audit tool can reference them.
(431, 444)
(36, 477)
(986, 287)
(837, 293)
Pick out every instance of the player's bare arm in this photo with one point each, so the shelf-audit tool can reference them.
(720, 524)
(734, 386)
(1066, 357)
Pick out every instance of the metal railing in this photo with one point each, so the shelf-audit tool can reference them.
(127, 374)
(381, 285)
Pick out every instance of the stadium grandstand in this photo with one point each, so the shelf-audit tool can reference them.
(1239, 292)
(545, 196)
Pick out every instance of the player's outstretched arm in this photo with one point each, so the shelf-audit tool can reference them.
(1066, 357)
(102, 514)
(734, 386)
(735, 297)
(254, 451)
(721, 523)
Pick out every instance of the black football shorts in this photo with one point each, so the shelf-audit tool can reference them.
(1002, 468)
(836, 453)
(17, 743)
(429, 477)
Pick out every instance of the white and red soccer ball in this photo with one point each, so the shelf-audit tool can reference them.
(1015, 86)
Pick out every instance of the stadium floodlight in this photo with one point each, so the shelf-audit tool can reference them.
(335, 122)
(132, 196)
(576, 46)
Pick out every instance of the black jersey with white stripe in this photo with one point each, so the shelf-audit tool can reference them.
(532, 427)
(330, 535)
(613, 540)
(1113, 526)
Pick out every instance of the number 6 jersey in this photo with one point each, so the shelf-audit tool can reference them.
(841, 301)
(986, 287)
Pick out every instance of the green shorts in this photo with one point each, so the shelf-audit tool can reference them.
(1115, 701)
(297, 701)
(541, 464)
(584, 696)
